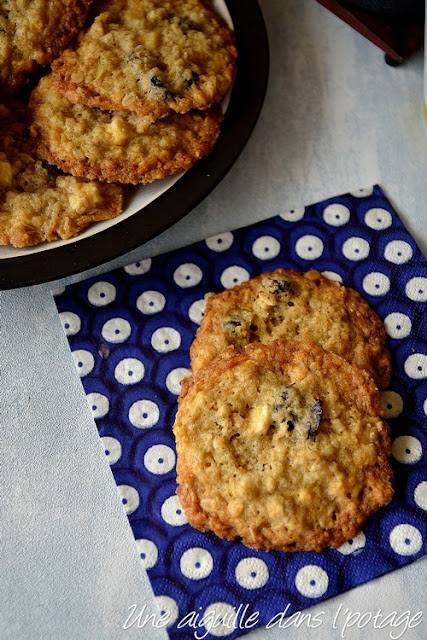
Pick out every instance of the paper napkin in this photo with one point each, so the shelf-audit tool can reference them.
(130, 331)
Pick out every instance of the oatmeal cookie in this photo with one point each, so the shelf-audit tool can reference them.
(295, 306)
(282, 446)
(33, 33)
(117, 146)
(38, 202)
(149, 56)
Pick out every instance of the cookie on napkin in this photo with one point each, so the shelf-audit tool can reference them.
(295, 306)
(149, 56)
(117, 146)
(38, 202)
(282, 446)
(33, 33)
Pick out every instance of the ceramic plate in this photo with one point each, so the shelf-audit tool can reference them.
(151, 209)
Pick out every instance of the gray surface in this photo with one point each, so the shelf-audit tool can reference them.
(335, 118)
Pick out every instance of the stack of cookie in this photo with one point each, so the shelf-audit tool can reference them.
(136, 96)
(32, 34)
(279, 433)
(39, 202)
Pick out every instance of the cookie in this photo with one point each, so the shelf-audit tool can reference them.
(33, 33)
(38, 202)
(281, 446)
(295, 306)
(117, 146)
(149, 56)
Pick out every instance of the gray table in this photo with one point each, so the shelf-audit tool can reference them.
(336, 118)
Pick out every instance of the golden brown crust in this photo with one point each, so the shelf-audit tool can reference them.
(33, 33)
(37, 202)
(117, 146)
(282, 446)
(296, 306)
(149, 56)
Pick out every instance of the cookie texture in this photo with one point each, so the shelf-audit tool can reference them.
(295, 306)
(38, 202)
(282, 446)
(33, 33)
(117, 146)
(149, 56)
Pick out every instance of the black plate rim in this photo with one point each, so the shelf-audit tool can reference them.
(245, 105)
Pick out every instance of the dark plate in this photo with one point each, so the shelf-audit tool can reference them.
(245, 105)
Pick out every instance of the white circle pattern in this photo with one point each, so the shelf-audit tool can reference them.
(220, 242)
(188, 275)
(101, 293)
(362, 193)
(99, 404)
(309, 247)
(336, 214)
(220, 617)
(150, 302)
(116, 330)
(293, 215)
(167, 607)
(398, 325)
(355, 544)
(138, 268)
(391, 403)
(420, 495)
(232, 276)
(416, 289)
(266, 247)
(159, 459)
(378, 219)
(129, 371)
(196, 563)
(172, 512)
(112, 448)
(71, 323)
(252, 573)
(405, 539)
(332, 275)
(165, 339)
(129, 497)
(312, 581)
(84, 361)
(197, 311)
(376, 284)
(355, 248)
(407, 449)
(148, 552)
(398, 252)
(144, 414)
(416, 366)
(175, 378)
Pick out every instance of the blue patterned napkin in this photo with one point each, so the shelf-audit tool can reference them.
(130, 332)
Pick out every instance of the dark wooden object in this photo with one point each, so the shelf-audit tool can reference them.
(397, 35)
